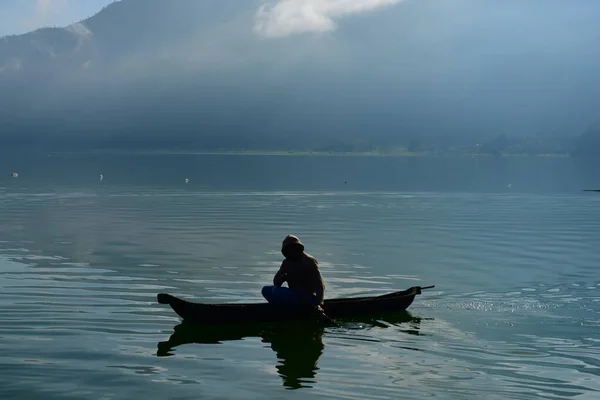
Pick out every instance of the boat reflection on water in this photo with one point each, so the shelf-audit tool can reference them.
(297, 345)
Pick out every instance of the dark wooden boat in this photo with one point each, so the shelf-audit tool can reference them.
(203, 313)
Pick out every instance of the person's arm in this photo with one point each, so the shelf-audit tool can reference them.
(318, 284)
(281, 275)
(320, 288)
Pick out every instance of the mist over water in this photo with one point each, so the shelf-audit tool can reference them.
(326, 71)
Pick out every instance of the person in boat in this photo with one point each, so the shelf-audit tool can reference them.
(301, 272)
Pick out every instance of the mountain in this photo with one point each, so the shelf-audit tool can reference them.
(120, 32)
(190, 73)
(588, 145)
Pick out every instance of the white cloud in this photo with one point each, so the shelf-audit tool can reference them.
(46, 7)
(279, 18)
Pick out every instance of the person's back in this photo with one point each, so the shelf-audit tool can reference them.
(302, 274)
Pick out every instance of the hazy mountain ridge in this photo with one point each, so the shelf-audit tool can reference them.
(196, 73)
(588, 145)
(120, 31)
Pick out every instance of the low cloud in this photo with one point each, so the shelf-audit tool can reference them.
(45, 7)
(279, 18)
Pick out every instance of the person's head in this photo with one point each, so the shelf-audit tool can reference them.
(292, 248)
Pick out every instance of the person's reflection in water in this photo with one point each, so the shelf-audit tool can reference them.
(298, 346)
(298, 350)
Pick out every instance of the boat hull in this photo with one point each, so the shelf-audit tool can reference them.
(202, 313)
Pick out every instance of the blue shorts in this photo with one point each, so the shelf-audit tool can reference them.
(283, 296)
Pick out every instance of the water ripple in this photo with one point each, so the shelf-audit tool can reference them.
(514, 314)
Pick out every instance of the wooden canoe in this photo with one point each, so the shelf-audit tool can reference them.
(203, 313)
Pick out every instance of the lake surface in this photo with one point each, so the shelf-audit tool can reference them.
(512, 245)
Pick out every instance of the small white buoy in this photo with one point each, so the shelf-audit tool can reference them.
(14, 174)
(187, 180)
(101, 177)
(509, 185)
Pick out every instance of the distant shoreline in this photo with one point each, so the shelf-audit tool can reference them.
(300, 153)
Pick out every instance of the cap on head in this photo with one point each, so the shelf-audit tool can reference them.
(292, 240)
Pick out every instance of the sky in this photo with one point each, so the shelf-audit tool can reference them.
(21, 16)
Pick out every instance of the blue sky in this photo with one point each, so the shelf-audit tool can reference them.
(20, 16)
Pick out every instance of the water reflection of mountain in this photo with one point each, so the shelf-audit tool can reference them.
(298, 346)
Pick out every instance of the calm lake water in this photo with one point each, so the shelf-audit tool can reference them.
(512, 245)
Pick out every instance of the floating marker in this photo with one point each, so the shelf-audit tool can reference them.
(101, 177)
(187, 180)
(14, 174)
